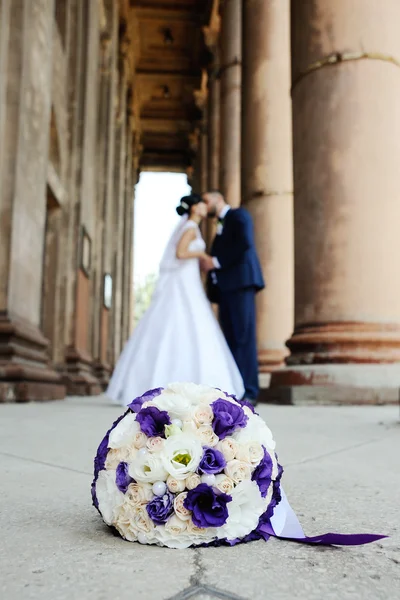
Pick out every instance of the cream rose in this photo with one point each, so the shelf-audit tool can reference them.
(155, 444)
(238, 470)
(206, 435)
(175, 485)
(251, 452)
(228, 447)
(175, 525)
(194, 530)
(192, 481)
(203, 414)
(182, 512)
(117, 455)
(140, 440)
(224, 483)
(139, 493)
(132, 520)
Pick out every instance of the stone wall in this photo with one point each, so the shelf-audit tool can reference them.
(66, 194)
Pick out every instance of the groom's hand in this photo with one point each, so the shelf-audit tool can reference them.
(207, 264)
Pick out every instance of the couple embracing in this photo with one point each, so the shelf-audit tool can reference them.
(179, 338)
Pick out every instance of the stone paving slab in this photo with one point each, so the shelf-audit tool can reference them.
(342, 473)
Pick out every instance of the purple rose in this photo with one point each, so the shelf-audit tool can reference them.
(136, 404)
(213, 461)
(208, 508)
(227, 417)
(160, 508)
(122, 477)
(262, 474)
(152, 421)
(241, 402)
(100, 458)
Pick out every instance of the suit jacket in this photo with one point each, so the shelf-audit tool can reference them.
(235, 250)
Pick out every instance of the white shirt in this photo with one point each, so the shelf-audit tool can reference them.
(221, 215)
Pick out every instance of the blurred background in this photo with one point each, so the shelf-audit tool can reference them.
(111, 110)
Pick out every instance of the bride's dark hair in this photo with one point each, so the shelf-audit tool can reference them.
(187, 202)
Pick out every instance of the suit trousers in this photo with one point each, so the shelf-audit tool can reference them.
(237, 312)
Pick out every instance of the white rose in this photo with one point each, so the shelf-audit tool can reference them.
(117, 455)
(148, 468)
(181, 455)
(203, 414)
(251, 452)
(224, 483)
(196, 394)
(175, 525)
(180, 510)
(228, 447)
(256, 430)
(175, 485)
(192, 481)
(206, 435)
(177, 405)
(139, 493)
(155, 444)
(238, 470)
(109, 497)
(132, 520)
(125, 432)
(244, 510)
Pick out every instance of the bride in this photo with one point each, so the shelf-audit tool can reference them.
(178, 338)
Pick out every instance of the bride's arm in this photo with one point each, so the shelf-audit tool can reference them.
(182, 249)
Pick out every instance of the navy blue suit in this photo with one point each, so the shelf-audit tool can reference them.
(234, 287)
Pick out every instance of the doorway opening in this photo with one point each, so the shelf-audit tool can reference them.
(156, 198)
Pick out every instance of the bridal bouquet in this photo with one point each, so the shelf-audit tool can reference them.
(185, 466)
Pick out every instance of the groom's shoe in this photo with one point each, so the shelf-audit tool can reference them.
(251, 401)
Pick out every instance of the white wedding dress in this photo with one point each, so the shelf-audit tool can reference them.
(178, 338)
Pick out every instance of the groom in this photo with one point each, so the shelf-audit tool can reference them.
(234, 278)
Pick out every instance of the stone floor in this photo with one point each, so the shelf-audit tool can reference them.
(342, 473)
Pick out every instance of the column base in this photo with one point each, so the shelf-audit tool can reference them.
(25, 371)
(345, 342)
(102, 372)
(78, 374)
(271, 360)
(335, 384)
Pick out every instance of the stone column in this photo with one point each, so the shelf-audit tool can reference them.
(267, 168)
(231, 79)
(346, 124)
(119, 199)
(79, 357)
(214, 114)
(128, 235)
(26, 57)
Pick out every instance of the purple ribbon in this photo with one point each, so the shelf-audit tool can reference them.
(329, 539)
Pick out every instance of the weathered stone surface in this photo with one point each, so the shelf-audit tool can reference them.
(341, 474)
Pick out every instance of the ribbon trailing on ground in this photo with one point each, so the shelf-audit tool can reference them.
(285, 525)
